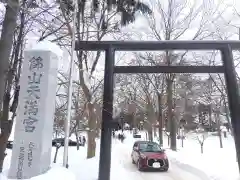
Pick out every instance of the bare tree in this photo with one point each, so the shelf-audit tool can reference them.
(218, 121)
(11, 62)
(149, 106)
(18, 22)
(158, 84)
(91, 25)
(8, 26)
(201, 136)
(166, 23)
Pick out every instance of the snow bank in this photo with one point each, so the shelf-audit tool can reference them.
(56, 172)
(218, 163)
(87, 169)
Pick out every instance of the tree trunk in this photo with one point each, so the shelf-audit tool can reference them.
(6, 42)
(134, 119)
(3, 140)
(6, 127)
(154, 132)
(55, 155)
(91, 119)
(150, 118)
(182, 140)
(150, 134)
(219, 129)
(171, 120)
(227, 114)
(6, 79)
(98, 127)
(77, 139)
(98, 115)
(210, 117)
(160, 121)
(92, 131)
(201, 147)
(91, 145)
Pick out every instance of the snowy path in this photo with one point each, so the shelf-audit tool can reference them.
(176, 171)
(122, 167)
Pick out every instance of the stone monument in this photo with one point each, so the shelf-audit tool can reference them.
(31, 155)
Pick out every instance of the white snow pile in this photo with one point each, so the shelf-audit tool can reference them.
(218, 163)
(56, 172)
(88, 169)
(47, 46)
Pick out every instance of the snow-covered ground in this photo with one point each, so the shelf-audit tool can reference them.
(218, 163)
(56, 172)
(186, 164)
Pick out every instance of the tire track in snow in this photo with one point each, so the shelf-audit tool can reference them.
(188, 168)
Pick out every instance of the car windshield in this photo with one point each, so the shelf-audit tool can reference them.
(149, 147)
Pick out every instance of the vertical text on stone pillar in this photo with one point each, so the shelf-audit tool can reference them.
(20, 163)
(30, 121)
(30, 153)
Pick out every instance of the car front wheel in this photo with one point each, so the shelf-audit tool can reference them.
(165, 170)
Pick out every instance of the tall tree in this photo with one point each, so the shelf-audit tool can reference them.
(6, 42)
(168, 22)
(16, 24)
(95, 20)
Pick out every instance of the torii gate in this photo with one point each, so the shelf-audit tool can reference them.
(110, 47)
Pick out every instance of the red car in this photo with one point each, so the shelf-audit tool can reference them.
(149, 155)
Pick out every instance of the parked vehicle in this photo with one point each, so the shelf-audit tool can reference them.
(137, 136)
(136, 133)
(9, 144)
(55, 142)
(149, 155)
(61, 142)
